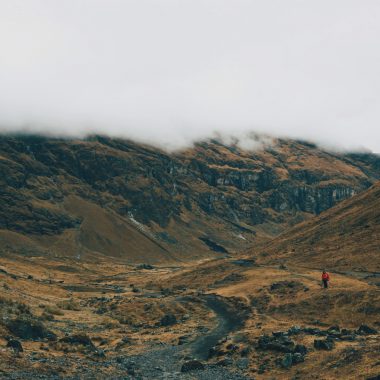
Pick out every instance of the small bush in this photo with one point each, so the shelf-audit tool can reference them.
(69, 305)
(47, 316)
(110, 323)
(51, 309)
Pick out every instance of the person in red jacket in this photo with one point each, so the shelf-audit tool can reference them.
(325, 279)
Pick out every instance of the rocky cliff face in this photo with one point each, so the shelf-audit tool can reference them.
(212, 191)
(345, 237)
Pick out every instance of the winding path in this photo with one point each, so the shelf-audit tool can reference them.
(166, 363)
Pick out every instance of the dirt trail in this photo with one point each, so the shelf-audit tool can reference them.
(228, 320)
(166, 363)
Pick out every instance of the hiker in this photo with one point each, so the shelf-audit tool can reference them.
(325, 279)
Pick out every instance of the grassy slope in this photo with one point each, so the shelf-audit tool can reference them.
(344, 237)
(75, 198)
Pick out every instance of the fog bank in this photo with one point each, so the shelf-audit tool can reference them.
(171, 72)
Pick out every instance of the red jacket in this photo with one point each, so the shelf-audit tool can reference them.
(325, 276)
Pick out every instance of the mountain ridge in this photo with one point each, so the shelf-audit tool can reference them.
(180, 205)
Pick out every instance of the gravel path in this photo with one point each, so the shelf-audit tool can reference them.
(166, 363)
(162, 363)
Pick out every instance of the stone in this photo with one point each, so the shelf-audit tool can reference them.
(168, 320)
(242, 363)
(244, 262)
(348, 338)
(15, 345)
(280, 344)
(225, 362)
(78, 339)
(287, 361)
(183, 340)
(294, 330)
(215, 351)
(192, 365)
(300, 349)
(366, 330)
(334, 328)
(324, 344)
(232, 347)
(145, 266)
(100, 353)
(245, 351)
(262, 368)
(313, 331)
(28, 329)
(298, 358)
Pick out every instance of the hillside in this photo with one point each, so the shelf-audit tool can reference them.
(102, 196)
(236, 319)
(83, 215)
(346, 237)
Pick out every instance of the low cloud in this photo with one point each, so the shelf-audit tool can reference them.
(171, 72)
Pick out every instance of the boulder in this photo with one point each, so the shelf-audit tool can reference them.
(215, 351)
(78, 339)
(225, 362)
(232, 347)
(242, 363)
(145, 266)
(334, 328)
(348, 338)
(192, 365)
(324, 344)
(276, 343)
(314, 331)
(287, 361)
(15, 345)
(300, 349)
(366, 330)
(334, 332)
(28, 329)
(167, 320)
(183, 339)
(298, 358)
(294, 330)
(245, 351)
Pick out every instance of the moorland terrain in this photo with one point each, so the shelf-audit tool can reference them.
(122, 261)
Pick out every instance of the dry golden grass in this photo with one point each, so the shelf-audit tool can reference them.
(107, 317)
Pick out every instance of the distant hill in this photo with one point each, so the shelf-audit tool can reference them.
(346, 237)
(82, 198)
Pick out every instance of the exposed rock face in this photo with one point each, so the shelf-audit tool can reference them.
(345, 237)
(211, 188)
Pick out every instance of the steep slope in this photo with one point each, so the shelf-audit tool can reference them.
(345, 237)
(115, 197)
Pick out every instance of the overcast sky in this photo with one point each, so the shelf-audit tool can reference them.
(174, 71)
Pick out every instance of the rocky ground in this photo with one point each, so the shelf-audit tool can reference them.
(221, 319)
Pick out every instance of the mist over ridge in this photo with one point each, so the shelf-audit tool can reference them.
(169, 73)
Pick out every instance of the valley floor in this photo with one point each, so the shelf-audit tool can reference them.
(221, 319)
